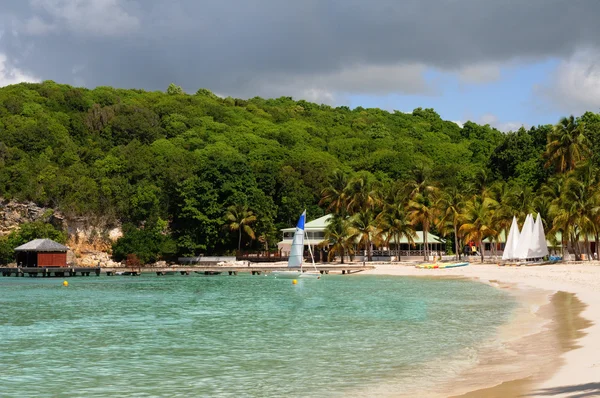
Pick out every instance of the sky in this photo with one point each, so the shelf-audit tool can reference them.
(507, 63)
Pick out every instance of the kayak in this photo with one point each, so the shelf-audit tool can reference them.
(441, 265)
(455, 265)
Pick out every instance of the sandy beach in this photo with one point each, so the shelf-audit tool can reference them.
(552, 346)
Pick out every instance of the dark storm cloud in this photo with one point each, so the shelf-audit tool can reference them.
(266, 47)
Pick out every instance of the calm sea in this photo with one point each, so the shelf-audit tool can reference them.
(226, 336)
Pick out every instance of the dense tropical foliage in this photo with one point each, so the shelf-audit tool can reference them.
(27, 232)
(227, 173)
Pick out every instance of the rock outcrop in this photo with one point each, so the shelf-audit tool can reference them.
(13, 214)
(90, 239)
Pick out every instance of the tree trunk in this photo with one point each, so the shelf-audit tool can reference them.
(457, 254)
(482, 251)
(596, 248)
(588, 249)
(369, 257)
(240, 239)
(575, 245)
(388, 246)
(425, 252)
(342, 255)
(398, 247)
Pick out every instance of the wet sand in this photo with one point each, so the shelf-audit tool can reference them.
(549, 349)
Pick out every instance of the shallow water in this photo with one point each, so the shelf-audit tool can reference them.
(239, 336)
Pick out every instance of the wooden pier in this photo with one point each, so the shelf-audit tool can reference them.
(50, 271)
(216, 270)
(175, 270)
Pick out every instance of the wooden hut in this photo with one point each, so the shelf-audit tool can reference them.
(41, 253)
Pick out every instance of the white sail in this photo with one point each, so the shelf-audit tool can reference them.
(297, 251)
(525, 238)
(512, 241)
(538, 247)
(297, 256)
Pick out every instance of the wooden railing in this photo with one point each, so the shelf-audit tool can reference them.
(260, 256)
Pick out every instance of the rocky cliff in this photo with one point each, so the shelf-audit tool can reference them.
(90, 239)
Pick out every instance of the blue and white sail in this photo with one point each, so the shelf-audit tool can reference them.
(296, 258)
(297, 250)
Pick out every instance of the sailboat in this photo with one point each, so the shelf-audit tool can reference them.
(530, 244)
(538, 247)
(296, 259)
(525, 239)
(512, 242)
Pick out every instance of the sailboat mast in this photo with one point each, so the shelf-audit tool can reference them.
(310, 251)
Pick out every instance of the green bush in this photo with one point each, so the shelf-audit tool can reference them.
(149, 244)
(28, 232)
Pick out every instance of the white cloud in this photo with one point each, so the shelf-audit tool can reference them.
(93, 17)
(574, 87)
(479, 73)
(11, 75)
(493, 121)
(458, 123)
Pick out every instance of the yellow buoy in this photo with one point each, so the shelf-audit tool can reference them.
(294, 282)
(65, 283)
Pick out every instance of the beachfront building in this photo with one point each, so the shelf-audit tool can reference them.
(315, 235)
(41, 253)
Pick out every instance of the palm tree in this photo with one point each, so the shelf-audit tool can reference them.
(392, 222)
(502, 199)
(239, 219)
(477, 222)
(481, 183)
(337, 235)
(422, 211)
(543, 205)
(361, 193)
(579, 203)
(363, 230)
(450, 205)
(420, 182)
(567, 144)
(521, 201)
(334, 194)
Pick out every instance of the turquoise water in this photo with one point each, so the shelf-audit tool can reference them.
(238, 336)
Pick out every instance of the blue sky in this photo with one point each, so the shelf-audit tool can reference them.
(511, 98)
(506, 63)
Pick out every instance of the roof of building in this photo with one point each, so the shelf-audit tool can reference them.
(431, 238)
(42, 245)
(319, 225)
(315, 225)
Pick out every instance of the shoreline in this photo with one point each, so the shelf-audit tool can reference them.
(554, 338)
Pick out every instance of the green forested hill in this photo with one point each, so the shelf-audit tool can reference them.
(140, 156)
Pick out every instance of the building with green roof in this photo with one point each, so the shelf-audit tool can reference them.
(315, 236)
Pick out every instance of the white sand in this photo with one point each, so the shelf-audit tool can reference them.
(581, 365)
